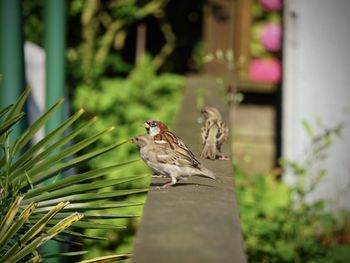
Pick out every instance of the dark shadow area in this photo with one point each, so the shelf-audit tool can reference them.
(186, 20)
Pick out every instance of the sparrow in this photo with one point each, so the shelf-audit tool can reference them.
(213, 134)
(161, 135)
(167, 161)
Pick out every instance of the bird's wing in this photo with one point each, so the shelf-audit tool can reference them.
(205, 130)
(204, 133)
(178, 145)
(209, 125)
(170, 156)
(222, 133)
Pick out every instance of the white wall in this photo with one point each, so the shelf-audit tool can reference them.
(35, 78)
(317, 83)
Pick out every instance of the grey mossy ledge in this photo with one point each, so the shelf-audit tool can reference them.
(197, 219)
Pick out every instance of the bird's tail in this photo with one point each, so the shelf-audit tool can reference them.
(207, 173)
(209, 151)
(209, 147)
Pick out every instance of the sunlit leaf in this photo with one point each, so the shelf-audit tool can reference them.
(10, 215)
(16, 225)
(107, 259)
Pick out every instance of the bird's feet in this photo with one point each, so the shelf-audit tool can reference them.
(169, 184)
(165, 186)
(223, 157)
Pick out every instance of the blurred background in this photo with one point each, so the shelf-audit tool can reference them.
(285, 65)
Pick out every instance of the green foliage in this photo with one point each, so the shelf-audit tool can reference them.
(36, 203)
(126, 104)
(279, 225)
(95, 49)
(275, 230)
(33, 17)
(95, 42)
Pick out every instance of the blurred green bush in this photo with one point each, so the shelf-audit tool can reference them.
(279, 225)
(275, 230)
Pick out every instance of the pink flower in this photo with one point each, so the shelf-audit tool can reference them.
(271, 36)
(271, 5)
(265, 70)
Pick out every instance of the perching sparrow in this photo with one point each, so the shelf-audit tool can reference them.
(161, 135)
(166, 161)
(213, 134)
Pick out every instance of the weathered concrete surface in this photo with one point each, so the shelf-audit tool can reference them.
(196, 220)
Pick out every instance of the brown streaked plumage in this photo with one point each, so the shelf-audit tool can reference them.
(167, 161)
(162, 135)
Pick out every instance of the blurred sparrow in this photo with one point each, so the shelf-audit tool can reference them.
(213, 134)
(161, 135)
(166, 161)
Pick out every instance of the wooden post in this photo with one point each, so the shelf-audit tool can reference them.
(140, 41)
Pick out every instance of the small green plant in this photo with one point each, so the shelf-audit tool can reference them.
(38, 204)
(277, 222)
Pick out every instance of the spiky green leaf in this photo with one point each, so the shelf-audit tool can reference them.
(6, 126)
(16, 225)
(107, 259)
(74, 179)
(30, 153)
(17, 107)
(34, 128)
(79, 188)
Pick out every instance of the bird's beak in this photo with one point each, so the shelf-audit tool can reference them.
(146, 125)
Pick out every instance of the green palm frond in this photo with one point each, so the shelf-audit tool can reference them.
(38, 204)
(107, 259)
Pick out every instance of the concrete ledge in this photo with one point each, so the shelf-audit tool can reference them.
(197, 220)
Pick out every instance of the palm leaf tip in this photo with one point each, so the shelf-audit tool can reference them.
(64, 224)
(11, 213)
(81, 111)
(107, 259)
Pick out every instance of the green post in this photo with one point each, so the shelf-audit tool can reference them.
(11, 54)
(55, 38)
